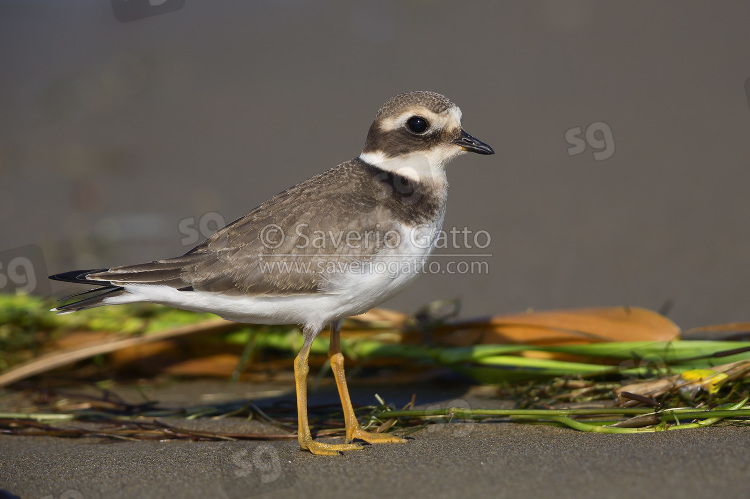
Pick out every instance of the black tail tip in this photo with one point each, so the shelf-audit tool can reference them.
(78, 276)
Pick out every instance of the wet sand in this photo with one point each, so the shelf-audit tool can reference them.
(470, 459)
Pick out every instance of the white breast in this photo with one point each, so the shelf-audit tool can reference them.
(369, 283)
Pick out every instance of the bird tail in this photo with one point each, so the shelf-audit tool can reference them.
(97, 295)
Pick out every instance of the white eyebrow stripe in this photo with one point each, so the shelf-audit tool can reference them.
(456, 114)
(449, 118)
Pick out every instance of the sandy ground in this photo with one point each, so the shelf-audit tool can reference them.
(470, 459)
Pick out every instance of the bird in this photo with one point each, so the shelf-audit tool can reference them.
(331, 247)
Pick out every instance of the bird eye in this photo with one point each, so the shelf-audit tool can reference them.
(417, 124)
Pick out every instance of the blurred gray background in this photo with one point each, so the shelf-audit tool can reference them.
(128, 135)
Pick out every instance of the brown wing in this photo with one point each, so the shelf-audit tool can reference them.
(283, 245)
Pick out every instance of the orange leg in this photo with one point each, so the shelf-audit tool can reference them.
(306, 441)
(353, 430)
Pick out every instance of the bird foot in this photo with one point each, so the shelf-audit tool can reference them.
(321, 449)
(374, 438)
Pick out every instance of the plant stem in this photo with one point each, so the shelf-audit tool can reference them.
(461, 412)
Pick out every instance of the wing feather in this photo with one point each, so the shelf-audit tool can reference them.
(281, 247)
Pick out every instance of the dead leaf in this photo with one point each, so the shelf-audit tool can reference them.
(655, 389)
(563, 327)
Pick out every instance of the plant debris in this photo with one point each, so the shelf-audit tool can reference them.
(629, 356)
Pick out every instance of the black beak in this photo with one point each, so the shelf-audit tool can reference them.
(469, 143)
